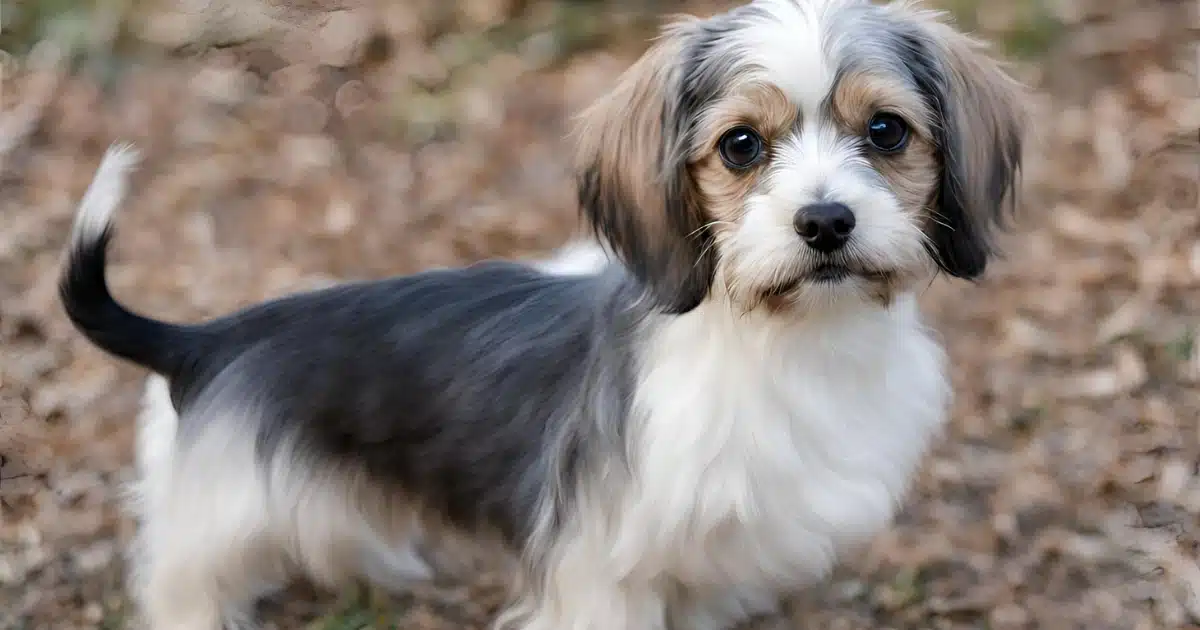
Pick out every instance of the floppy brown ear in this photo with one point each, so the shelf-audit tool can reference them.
(981, 115)
(634, 186)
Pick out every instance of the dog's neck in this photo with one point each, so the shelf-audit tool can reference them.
(839, 326)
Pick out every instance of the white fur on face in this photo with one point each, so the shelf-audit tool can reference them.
(795, 47)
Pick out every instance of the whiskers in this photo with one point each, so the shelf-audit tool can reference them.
(711, 224)
(805, 280)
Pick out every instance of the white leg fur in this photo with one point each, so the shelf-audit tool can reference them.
(203, 553)
(721, 610)
(218, 531)
(393, 568)
(581, 596)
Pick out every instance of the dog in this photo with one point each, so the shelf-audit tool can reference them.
(674, 425)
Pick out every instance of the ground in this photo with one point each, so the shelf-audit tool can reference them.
(294, 143)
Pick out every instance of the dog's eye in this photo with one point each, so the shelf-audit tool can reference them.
(887, 132)
(740, 147)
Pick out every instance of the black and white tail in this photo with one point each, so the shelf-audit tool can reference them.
(153, 344)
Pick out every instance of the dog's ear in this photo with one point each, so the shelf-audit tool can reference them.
(981, 119)
(634, 187)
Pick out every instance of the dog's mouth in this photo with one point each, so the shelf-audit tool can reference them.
(828, 274)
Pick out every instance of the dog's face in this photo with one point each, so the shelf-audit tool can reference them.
(799, 152)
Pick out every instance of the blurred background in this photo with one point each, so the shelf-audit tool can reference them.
(289, 144)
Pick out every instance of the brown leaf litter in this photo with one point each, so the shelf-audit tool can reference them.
(329, 139)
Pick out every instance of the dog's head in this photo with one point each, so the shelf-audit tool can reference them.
(796, 152)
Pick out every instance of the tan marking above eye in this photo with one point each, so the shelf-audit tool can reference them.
(760, 106)
(859, 96)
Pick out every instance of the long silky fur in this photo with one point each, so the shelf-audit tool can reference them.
(673, 427)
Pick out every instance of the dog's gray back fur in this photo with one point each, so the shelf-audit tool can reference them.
(474, 389)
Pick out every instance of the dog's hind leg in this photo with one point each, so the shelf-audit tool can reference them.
(184, 590)
(394, 568)
(203, 553)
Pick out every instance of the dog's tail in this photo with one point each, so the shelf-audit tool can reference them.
(83, 289)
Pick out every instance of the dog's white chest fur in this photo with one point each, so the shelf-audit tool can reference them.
(762, 451)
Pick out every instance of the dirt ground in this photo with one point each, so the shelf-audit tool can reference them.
(289, 144)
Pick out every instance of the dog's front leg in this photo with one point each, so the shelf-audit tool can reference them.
(692, 609)
(593, 607)
(574, 591)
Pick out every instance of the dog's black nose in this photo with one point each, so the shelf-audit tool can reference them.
(824, 226)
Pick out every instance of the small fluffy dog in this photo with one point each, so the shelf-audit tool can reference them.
(676, 438)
